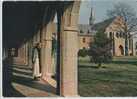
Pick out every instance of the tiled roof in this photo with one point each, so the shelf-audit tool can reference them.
(102, 25)
(85, 28)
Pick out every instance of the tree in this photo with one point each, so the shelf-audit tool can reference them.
(100, 49)
(82, 52)
(129, 16)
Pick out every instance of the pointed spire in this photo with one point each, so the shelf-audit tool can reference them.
(91, 19)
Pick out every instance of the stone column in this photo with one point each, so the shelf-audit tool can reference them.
(46, 48)
(69, 50)
(46, 41)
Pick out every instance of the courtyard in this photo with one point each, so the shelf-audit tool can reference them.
(118, 78)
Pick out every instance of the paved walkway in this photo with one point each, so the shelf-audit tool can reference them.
(23, 84)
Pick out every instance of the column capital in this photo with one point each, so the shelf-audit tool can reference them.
(71, 28)
(44, 42)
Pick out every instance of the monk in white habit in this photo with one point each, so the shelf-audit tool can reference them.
(35, 61)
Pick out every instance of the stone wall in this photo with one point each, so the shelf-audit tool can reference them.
(84, 41)
(115, 31)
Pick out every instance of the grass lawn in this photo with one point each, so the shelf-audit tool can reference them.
(118, 78)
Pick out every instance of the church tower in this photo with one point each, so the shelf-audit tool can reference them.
(92, 17)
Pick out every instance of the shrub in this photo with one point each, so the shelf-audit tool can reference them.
(82, 52)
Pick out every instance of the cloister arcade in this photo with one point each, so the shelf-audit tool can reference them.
(23, 20)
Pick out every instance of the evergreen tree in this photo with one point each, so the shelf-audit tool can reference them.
(100, 49)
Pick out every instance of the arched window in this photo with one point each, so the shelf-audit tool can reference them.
(121, 34)
(117, 35)
(84, 40)
(124, 35)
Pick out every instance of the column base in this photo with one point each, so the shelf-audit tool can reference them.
(48, 78)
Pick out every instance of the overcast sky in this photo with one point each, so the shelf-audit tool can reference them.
(100, 8)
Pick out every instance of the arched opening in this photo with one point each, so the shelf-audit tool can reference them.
(121, 50)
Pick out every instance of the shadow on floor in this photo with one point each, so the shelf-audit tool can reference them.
(9, 77)
(8, 90)
(21, 72)
(33, 84)
(23, 67)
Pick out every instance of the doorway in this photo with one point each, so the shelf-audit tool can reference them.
(121, 50)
